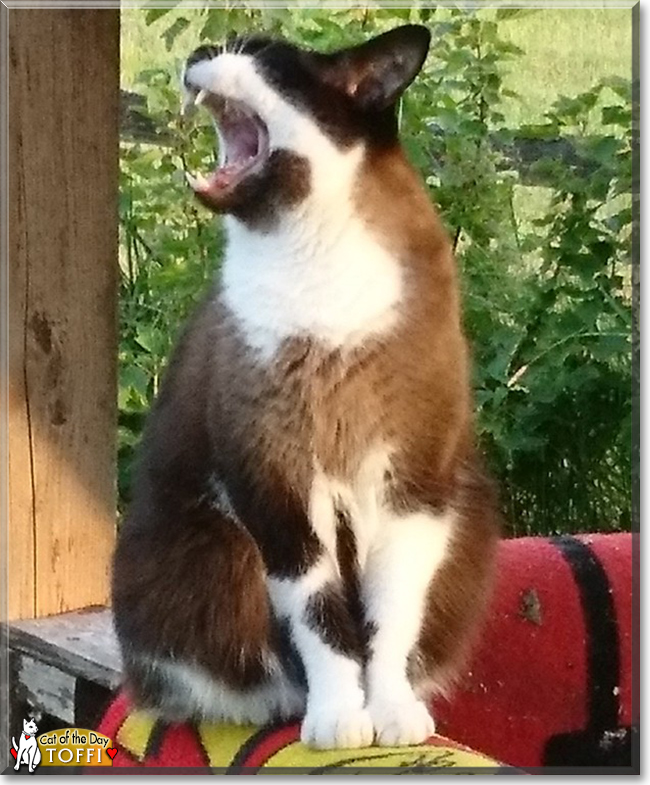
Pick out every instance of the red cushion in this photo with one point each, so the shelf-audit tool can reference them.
(550, 681)
(542, 669)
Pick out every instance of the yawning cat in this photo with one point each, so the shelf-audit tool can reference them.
(311, 533)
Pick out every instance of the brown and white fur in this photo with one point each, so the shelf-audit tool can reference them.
(311, 532)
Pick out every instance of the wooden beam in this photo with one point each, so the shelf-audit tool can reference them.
(63, 236)
(81, 643)
(61, 669)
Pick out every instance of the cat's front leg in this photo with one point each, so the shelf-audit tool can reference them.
(401, 566)
(329, 646)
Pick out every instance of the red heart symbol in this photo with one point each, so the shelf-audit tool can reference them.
(14, 753)
(112, 751)
(27, 735)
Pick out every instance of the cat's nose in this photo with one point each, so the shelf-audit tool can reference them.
(201, 53)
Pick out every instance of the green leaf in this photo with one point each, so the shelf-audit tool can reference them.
(503, 14)
(604, 149)
(506, 47)
(154, 14)
(489, 32)
(133, 387)
(621, 86)
(611, 346)
(126, 437)
(616, 115)
(147, 337)
(174, 30)
(215, 26)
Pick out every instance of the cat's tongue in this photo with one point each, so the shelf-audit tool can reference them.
(223, 177)
(242, 143)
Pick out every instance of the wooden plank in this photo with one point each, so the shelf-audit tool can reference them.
(82, 644)
(47, 688)
(64, 110)
(63, 670)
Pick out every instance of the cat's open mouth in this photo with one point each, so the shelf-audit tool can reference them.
(243, 146)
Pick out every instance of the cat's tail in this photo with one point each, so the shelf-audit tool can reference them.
(13, 741)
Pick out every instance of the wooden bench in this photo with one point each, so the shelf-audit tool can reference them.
(62, 669)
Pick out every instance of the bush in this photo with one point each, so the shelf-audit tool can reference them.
(544, 248)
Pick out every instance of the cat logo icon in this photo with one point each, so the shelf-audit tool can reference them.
(27, 750)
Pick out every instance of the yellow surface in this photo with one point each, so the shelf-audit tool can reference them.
(222, 742)
(297, 755)
(135, 732)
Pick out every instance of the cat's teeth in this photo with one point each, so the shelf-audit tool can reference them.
(200, 97)
(196, 182)
(187, 103)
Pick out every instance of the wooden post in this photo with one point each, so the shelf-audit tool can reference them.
(63, 240)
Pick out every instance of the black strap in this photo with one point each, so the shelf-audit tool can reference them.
(602, 644)
(603, 742)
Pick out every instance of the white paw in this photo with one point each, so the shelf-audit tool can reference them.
(400, 723)
(336, 727)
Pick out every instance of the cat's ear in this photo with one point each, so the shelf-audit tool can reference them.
(377, 72)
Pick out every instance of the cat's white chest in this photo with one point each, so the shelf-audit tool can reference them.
(329, 280)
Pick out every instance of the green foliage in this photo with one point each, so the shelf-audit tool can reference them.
(545, 271)
(169, 252)
(554, 382)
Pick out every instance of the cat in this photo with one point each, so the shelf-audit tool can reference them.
(27, 749)
(311, 533)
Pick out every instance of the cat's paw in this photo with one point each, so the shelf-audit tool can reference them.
(337, 727)
(400, 723)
